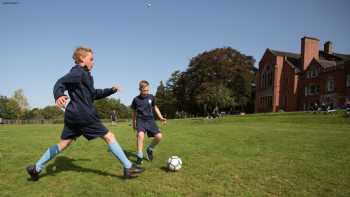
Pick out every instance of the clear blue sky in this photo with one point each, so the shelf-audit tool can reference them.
(132, 41)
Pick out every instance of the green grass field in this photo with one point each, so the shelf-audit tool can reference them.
(289, 154)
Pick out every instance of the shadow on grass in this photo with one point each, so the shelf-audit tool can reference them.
(165, 169)
(130, 155)
(63, 164)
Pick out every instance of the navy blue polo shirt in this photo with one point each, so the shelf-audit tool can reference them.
(143, 105)
(80, 86)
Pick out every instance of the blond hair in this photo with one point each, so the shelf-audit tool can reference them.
(80, 52)
(142, 84)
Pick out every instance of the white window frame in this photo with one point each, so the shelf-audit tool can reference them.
(307, 74)
(306, 90)
(330, 84)
(314, 72)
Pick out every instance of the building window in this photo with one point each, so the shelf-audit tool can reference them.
(348, 80)
(330, 85)
(269, 100)
(312, 89)
(270, 78)
(306, 90)
(314, 72)
(308, 75)
(263, 81)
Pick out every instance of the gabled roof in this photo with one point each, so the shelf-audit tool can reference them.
(287, 54)
(325, 60)
(343, 56)
(293, 65)
(327, 64)
(292, 59)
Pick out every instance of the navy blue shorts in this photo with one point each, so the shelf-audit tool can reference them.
(90, 132)
(148, 126)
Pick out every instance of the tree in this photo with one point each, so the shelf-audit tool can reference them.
(51, 112)
(21, 99)
(219, 78)
(165, 100)
(9, 108)
(107, 105)
(214, 96)
(34, 113)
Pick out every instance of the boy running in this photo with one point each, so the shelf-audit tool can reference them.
(143, 121)
(80, 117)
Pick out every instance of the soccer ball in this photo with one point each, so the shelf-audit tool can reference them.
(174, 163)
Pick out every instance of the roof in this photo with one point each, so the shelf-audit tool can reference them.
(312, 38)
(294, 65)
(327, 64)
(283, 53)
(292, 59)
(325, 60)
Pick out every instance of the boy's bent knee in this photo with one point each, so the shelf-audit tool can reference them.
(141, 134)
(109, 137)
(63, 144)
(159, 136)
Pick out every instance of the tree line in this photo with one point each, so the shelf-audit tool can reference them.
(17, 107)
(221, 80)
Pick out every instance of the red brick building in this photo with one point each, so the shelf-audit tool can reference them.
(291, 82)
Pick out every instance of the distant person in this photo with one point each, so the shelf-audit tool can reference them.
(347, 108)
(315, 107)
(215, 113)
(80, 116)
(323, 106)
(114, 117)
(143, 121)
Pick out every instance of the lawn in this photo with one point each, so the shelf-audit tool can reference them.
(276, 154)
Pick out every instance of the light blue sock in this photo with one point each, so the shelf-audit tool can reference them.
(47, 156)
(139, 154)
(119, 154)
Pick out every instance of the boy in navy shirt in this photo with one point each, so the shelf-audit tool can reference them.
(143, 121)
(80, 117)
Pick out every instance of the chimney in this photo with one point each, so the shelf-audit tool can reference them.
(328, 47)
(309, 50)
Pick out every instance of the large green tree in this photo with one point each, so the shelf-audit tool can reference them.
(221, 78)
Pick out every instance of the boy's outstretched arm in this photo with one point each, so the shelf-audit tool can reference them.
(103, 93)
(161, 118)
